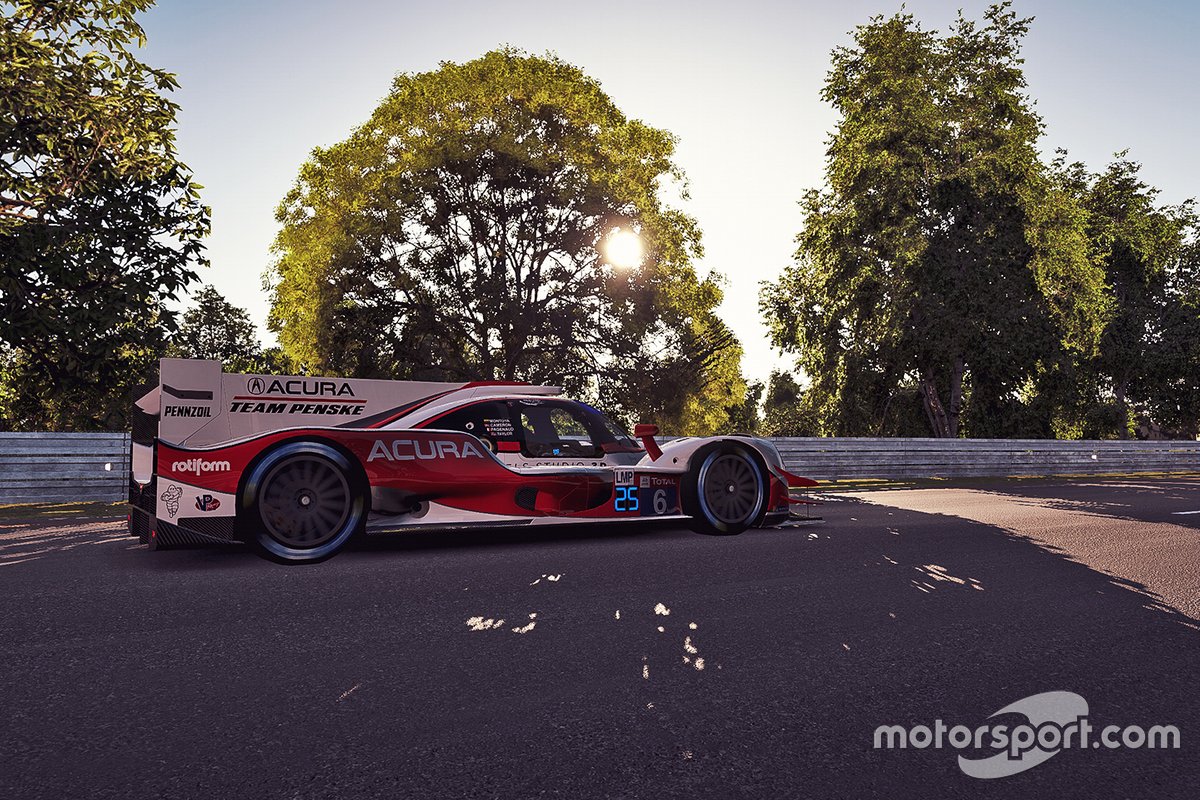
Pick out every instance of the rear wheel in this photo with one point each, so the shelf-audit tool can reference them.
(302, 503)
(724, 489)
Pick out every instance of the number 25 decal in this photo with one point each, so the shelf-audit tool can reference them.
(627, 499)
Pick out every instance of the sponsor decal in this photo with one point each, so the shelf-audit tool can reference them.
(411, 450)
(255, 407)
(206, 502)
(171, 498)
(658, 480)
(196, 466)
(311, 387)
(187, 411)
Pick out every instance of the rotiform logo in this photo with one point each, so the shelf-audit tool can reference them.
(196, 466)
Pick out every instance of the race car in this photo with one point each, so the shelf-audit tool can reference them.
(297, 466)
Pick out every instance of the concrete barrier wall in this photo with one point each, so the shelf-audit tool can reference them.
(841, 459)
(72, 467)
(63, 467)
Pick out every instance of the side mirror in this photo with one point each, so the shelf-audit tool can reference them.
(646, 433)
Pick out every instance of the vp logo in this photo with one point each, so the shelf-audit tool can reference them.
(256, 386)
(206, 502)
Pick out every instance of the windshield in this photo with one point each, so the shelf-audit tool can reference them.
(562, 428)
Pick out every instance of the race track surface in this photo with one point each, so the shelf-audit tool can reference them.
(643, 662)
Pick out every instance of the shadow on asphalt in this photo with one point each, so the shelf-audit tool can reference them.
(515, 537)
(813, 638)
(1132, 499)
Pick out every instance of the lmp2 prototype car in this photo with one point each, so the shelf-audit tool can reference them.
(296, 466)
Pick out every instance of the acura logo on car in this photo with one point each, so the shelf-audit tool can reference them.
(410, 450)
(299, 386)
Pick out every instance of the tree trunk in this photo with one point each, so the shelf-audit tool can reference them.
(956, 381)
(934, 410)
(943, 420)
(1119, 392)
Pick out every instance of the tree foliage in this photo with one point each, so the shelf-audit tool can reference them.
(1144, 366)
(458, 234)
(214, 328)
(942, 258)
(99, 221)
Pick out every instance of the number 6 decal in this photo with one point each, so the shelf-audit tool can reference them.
(660, 501)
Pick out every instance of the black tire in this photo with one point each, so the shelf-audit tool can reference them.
(725, 489)
(302, 502)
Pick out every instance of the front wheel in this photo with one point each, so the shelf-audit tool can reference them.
(302, 503)
(724, 489)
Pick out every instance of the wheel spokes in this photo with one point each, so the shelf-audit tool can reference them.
(305, 501)
(731, 488)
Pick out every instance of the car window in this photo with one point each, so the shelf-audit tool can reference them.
(553, 430)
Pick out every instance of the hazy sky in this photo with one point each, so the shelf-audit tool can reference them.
(265, 81)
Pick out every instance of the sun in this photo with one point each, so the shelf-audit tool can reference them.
(624, 249)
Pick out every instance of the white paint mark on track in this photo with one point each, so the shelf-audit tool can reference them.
(349, 691)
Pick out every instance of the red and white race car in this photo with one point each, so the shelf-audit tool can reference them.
(296, 466)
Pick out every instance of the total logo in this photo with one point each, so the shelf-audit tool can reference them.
(195, 466)
(299, 386)
(411, 450)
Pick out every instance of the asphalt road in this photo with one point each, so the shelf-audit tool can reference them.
(213, 674)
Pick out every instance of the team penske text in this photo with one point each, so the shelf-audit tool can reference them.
(256, 407)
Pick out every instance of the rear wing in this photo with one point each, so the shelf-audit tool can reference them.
(197, 404)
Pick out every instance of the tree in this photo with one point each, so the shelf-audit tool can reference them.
(31, 399)
(746, 416)
(99, 221)
(214, 328)
(785, 412)
(458, 234)
(1169, 388)
(1147, 252)
(941, 257)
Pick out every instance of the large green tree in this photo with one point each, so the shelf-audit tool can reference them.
(1140, 370)
(99, 221)
(941, 259)
(1169, 389)
(459, 233)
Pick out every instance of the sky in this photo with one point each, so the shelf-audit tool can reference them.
(263, 82)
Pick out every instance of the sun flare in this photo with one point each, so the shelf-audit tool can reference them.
(624, 249)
